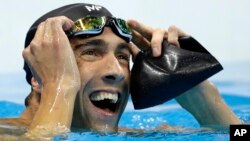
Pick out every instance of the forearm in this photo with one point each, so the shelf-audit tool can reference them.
(206, 105)
(54, 114)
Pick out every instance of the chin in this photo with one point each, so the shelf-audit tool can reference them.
(101, 110)
(104, 128)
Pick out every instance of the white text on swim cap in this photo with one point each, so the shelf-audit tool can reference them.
(93, 7)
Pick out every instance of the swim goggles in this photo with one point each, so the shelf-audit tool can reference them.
(91, 25)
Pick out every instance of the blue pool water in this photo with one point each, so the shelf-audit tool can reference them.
(233, 83)
(168, 113)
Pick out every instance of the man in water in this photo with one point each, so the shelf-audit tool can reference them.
(80, 76)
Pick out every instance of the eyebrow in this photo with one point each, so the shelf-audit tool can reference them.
(123, 46)
(94, 42)
(103, 44)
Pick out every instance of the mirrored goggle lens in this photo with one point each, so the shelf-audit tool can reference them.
(94, 25)
(89, 24)
(122, 24)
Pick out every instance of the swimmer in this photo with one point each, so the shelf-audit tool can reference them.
(80, 79)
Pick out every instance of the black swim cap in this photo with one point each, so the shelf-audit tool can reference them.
(73, 12)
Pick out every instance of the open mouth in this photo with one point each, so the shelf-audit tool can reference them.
(105, 101)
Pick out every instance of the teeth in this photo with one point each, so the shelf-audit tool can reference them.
(104, 95)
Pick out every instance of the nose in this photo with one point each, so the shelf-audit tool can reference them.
(113, 72)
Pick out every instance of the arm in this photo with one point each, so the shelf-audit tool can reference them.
(53, 65)
(207, 106)
(55, 112)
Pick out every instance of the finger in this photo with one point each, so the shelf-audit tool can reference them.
(134, 50)
(140, 41)
(173, 35)
(29, 58)
(48, 37)
(57, 26)
(156, 42)
(39, 32)
(144, 30)
(36, 41)
(63, 21)
(26, 54)
(67, 24)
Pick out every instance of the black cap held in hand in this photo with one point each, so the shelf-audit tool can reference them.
(157, 80)
(73, 12)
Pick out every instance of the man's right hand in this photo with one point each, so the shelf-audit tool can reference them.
(53, 64)
(50, 56)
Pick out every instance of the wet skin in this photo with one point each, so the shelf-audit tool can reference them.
(103, 63)
(103, 88)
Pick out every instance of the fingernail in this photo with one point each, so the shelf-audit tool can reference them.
(67, 26)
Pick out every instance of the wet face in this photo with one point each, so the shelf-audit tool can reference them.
(103, 62)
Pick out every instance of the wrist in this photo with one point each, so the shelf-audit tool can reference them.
(57, 103)
(65, 82)
(53, 92)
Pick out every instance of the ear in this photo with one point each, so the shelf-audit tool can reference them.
(35, 85)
